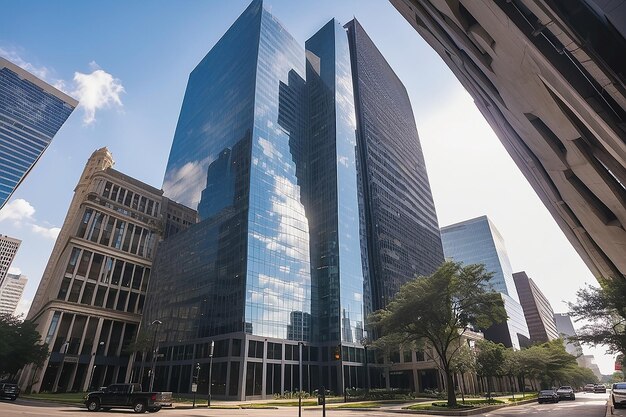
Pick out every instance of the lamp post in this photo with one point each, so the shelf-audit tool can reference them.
(93, 368)
(194, 384)
(210, 371)
(156, 324)
(300, 389)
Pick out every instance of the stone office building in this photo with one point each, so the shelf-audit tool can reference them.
(90, 299)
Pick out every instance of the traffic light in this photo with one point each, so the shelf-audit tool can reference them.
(337, 353)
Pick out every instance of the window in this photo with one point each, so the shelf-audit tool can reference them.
(137, 277)
(107, 232)
(94, 232)
(87, 293)
(114, 192)
(99, 301)
(83, 224)
(274, 350)
(108, 268)
(129, 197)
(65, 285)
(75, 291)
(132, 302)
(71, 265)
(117, 272)
(121, 301)
(96, 266)
(111, 298)
(136, 238)
(119, 233)
(128, 274)
(255, 349)
(129, 234)
(107, 189)
(84, 263)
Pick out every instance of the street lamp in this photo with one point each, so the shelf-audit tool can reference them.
(156, 324)
(93, 369)
(300, 390)
(210, 371)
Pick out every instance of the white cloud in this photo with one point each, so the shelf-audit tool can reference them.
(96, 91)
(47, 232)
(17, 210)
(13, 56)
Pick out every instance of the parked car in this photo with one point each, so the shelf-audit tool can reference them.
(127, 396)
(589, 387)
(599, 388)
(618, 394)
(547, 396)
(566, 393)
(9, 390)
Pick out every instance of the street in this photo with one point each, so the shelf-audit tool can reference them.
(586, 405)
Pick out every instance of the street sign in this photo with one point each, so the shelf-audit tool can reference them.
(194, 387)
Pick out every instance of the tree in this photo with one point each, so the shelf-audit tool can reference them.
(463, 362)
(489, 361)
(436, 310)
(511, 367)
(532, 363)
(604, 309)
(20, 344)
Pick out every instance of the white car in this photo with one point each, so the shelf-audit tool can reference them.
(618, 394)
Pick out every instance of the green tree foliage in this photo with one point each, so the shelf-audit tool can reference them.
(490, 361)
(604, 310)
(20, 345)
(435, 310)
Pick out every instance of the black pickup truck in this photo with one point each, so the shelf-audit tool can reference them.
(127, 396)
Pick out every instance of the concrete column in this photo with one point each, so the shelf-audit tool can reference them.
(264, 370)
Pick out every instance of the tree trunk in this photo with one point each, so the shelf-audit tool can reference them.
(450, 387)
(463, 387)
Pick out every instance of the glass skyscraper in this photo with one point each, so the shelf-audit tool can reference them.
(267, 150)
(401, 229)
(477, 241)
(31, 113)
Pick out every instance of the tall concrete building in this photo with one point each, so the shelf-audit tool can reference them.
(273, 146)
(550, 78)
(91, 296)
(537, 309)
(477, 241)
(31, 113)
(8, 250)
(565, 327)
(11, 290)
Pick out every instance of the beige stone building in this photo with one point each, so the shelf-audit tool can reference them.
(550, 78)
(89, 302)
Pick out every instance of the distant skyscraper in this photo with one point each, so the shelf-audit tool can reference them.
(549, 76)
(477, 241)
(267, 147)
(565, 327)
(31, 113)
(8, 250)
(537, 309)
(401, 230)
(11, 291)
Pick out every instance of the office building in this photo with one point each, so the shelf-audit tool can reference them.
(91, 296)
(477, 241)
(8, 250)
(267, 148)
(31, 113)
(537, 309)
(550, 78)
(565, 327)
(401, 230)
(589, 361)
(11, 291)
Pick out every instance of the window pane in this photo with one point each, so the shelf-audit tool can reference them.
(87, 293)
(73, 259)
(65, 285)
(129, 234)
(83, 224)
(84, 263)
(117, 272)
(75, 291)
(107, 232)
(99, 301)
(128, 274)
(96, 266)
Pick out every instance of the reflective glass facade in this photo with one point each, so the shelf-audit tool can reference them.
(334, 204)
(245, 267)
(477, 241)
(266, 148)
(401, 229)
(30, 116)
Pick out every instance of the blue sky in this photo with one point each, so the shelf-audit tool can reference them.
(129, 62)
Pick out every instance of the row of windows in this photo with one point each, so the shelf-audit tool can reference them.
(106, 269)
(116, 233)
(76, 334)
(130, 199)
(101, 296)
